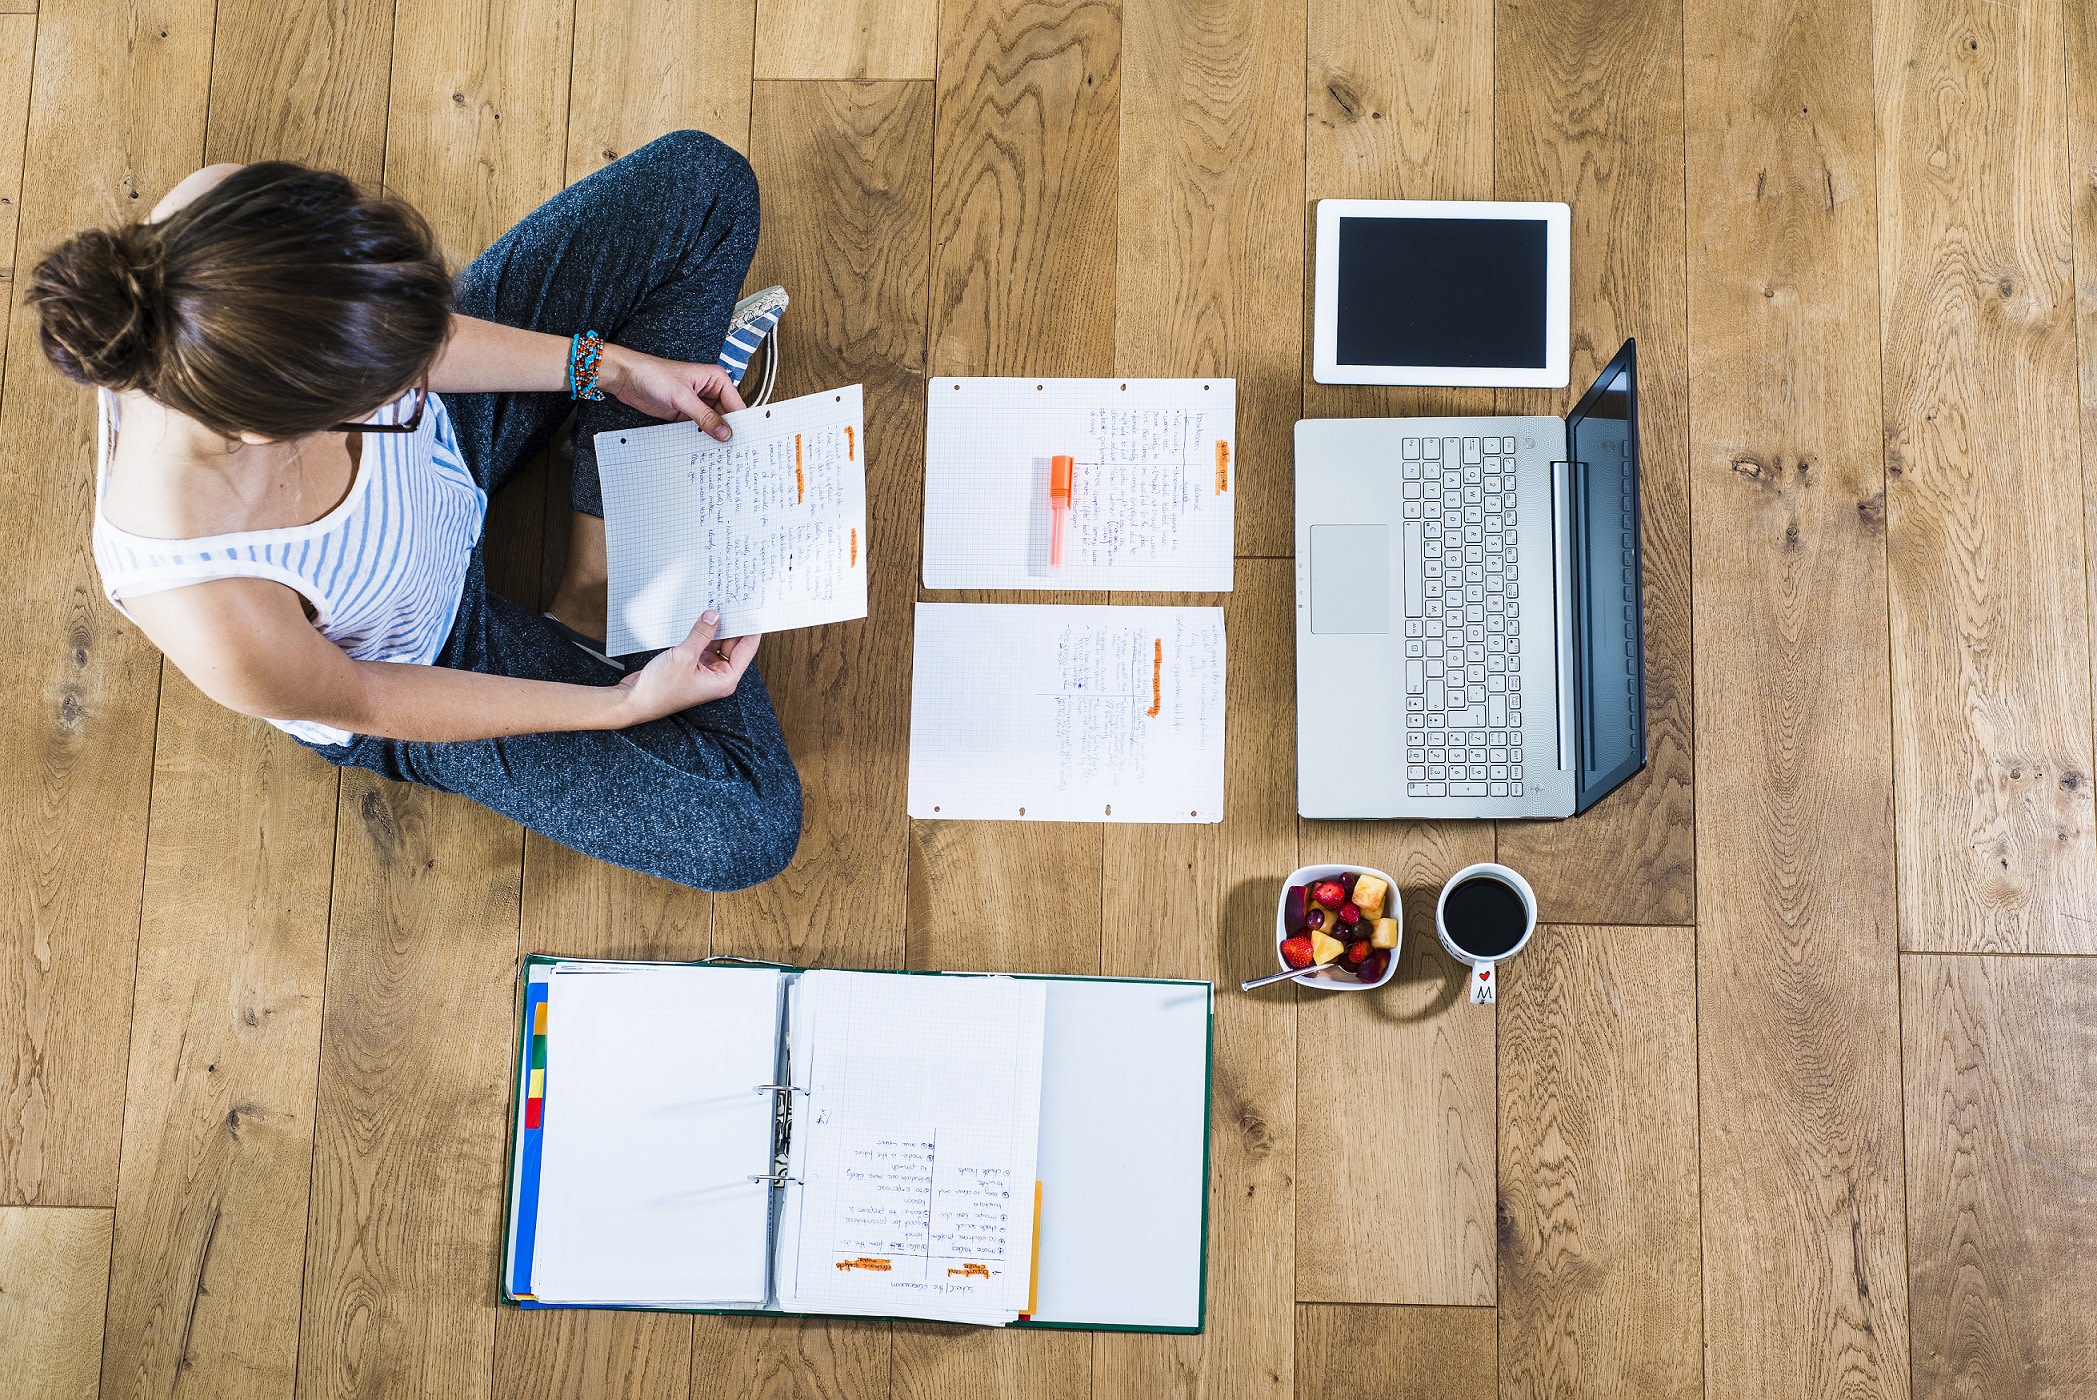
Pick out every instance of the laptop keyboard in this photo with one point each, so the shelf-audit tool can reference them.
(1463, 701)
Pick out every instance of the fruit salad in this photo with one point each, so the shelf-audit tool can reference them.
(1345, 923)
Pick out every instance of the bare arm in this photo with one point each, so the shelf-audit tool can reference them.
(487, 357)
(247, 644)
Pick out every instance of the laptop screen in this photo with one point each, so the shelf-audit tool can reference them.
(1445, 292)
(1608, 621)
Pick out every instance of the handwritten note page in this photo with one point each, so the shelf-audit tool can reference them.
(914, 1148)
(1048, 713)
(1153, 484)
(768, 528)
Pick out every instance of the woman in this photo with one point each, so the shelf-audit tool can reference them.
(302, 417)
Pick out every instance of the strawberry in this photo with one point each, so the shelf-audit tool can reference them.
(1350, 913)
(1296, 952)
(1329, 893)
(1358, 952)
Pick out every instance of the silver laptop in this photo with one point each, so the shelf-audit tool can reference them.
(1469, 620)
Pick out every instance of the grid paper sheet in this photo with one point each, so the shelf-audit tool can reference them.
(1153, 487)
(913, 1154)
(769, 527)
(1066, 713)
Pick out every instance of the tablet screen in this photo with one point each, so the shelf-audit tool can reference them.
(1445, 292)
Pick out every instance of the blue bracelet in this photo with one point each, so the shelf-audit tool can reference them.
(584, 351)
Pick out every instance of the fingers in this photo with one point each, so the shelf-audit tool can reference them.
(730, 397)
(739, 652)
(701, 412)
(703, 631)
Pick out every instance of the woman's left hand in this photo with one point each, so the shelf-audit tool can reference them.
(669, 388)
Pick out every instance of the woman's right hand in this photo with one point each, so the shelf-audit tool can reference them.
(700, 668)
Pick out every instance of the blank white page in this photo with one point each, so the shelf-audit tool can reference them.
(1122, 1153)
(914, 1148)
(653, 1128)
(1153, 483)
(768, 528)
(1064, 713)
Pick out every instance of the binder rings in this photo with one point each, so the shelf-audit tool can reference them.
(727, 1136)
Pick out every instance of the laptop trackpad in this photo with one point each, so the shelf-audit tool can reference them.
(1350, 579)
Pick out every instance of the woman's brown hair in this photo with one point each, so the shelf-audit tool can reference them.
(281, 301)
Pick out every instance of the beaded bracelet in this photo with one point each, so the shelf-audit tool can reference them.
(583, 353)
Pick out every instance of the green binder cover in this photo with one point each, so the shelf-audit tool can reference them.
(531, 1105)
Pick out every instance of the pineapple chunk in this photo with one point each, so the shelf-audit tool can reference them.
(1324, 948)
(1385, 934)
(1369, 895)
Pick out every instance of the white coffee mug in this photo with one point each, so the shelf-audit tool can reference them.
(1482, 979)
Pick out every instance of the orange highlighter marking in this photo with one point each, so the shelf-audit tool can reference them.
(1223, 466)
(1157, 677)
(851, 439)
(970, 1271)
(854, 564)
(1059, 506)
(800, 482)
(879, 1266)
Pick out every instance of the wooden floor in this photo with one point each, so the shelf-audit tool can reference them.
(1793, 1096)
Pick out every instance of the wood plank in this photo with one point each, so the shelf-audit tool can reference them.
(225, 1035)
(54, 1268)
(1417, 1353)
(644, 67)
(2081, 39)
(17, 66)
(1220, 883)
(303, 81)
(846, 170)
(2000, 1060)
(413, 1108)
(1797, 1003)
(598, 1354)
(1400, 106)
(1023, 219)
(1984, 526)
(1589, 110)
(847, 38)
(789, 1359)
(1211, 226)
(939, 1361)
(116, 117)
(1601, 1287)
(1419, 1149)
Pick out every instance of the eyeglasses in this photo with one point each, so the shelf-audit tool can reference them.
(408, 424)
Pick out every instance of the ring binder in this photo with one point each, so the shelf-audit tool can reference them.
(780, 1088)
(779, 1178)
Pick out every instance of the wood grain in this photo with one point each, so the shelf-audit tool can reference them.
(116, 116)
(1601, 1283)
(226, 1021)
(413, 1108)
(1417, 1353)
(937, 1361)
(1210, 175)
(2080, 32)
(1589, 111)
(789, 1359)
(847, 169)
(1221, 882)
(1023, 194)
(1399, 105)
(17, 65)
(592, 1354)
(54, 1267)
(302, 80)
(1420, 1147)
(2000, 1062)
(1797, 1003)
(1984, 521)
(644, 67)
(847, 38)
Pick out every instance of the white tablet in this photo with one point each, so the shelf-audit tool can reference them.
(1443, 291)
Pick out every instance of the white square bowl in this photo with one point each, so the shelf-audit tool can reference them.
(1325, 977)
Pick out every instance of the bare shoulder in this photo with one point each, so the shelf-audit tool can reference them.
(189, 187)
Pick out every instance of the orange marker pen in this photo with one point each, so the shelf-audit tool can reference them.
(1059, 506)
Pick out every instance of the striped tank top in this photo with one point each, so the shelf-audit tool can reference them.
(383, 570)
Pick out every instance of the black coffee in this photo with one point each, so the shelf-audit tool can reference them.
(1485, 917)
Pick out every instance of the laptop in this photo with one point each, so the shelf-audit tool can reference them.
(1469, 611)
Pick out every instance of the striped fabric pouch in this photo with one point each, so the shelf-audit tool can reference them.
(756, 316)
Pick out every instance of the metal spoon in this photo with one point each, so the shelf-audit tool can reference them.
(1273, 977)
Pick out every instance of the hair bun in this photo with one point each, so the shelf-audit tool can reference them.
(102, 299)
